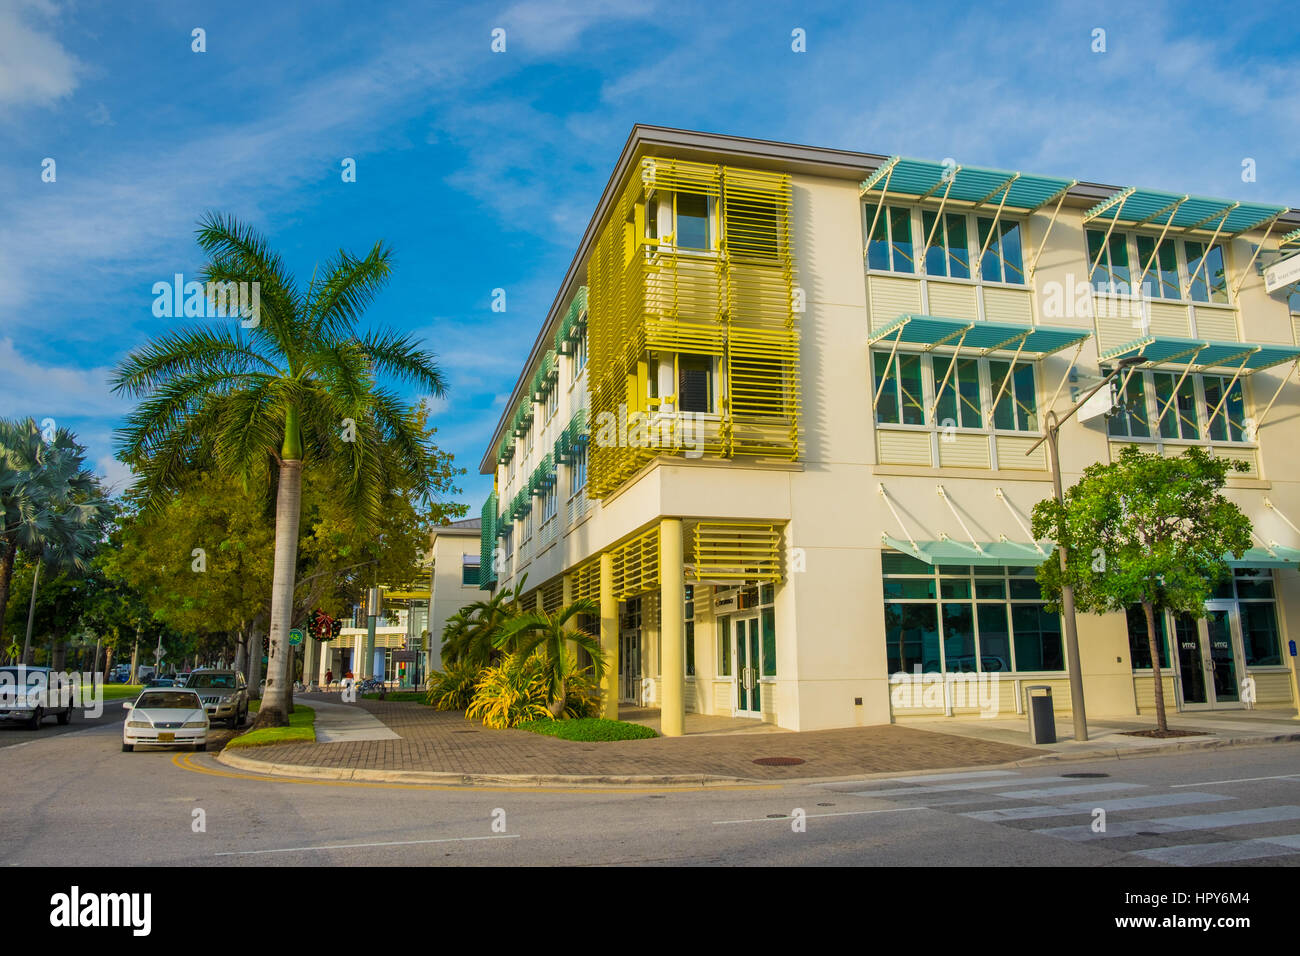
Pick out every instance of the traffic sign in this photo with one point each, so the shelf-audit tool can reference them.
(295, 637)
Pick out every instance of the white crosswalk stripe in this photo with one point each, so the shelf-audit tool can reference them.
(1114, 796)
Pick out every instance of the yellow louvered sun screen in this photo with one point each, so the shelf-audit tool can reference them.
(733, 302)
(734, 551)
(586, 581)
(636, 565)
(553, 595)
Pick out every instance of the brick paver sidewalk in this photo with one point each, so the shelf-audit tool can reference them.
(446, 742)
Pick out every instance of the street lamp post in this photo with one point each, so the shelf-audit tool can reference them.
(1051, 435)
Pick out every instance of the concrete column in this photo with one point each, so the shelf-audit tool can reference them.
(609, 635)
(310, 659)
(672, 611)
(566, 582)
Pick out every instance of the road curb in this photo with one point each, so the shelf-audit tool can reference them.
(241, 761)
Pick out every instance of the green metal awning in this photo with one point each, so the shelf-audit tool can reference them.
(1019, 554)
(989, 554)
(1204, 354)
(1291, 238)
(1274, 556)
(981, 337)
(973, 184)
(1134, 207)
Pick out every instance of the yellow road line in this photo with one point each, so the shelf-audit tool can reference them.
(186, 762)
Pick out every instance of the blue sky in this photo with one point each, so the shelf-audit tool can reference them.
(481, 169)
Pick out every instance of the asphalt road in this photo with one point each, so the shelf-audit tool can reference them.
(69, 793)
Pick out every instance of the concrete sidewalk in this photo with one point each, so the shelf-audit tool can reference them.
(424, 746)
(1108, 738)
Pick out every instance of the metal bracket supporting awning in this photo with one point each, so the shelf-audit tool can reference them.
(1241, 280)
(997, 493)
(880, 490)
(948, 501)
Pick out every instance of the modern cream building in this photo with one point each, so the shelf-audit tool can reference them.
(776, 425)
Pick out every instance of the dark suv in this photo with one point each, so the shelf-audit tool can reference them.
(224, 695)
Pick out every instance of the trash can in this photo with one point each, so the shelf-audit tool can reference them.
(1042, 721)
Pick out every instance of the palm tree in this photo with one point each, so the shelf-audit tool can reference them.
(554, 637)
(51, 505)
(295, 385)
(470, 634)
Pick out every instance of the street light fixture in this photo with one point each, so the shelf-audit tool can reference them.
(1051, 436)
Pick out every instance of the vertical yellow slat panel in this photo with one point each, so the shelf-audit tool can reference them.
(1008, 305)
(903, 448)
(736, 551)
(964, 451)
(888, 298)
(951, 300)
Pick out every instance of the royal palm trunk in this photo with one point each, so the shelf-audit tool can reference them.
(274, 710)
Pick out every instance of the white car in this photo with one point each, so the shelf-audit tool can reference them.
(165, 717)
(30, 694)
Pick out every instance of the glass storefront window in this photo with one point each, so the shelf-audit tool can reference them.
(1259, 636)
(768, 620)
(724, 646)
(989, 619)
(1139, 647)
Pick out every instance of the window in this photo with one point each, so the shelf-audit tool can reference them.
(1205, 272)
(1226, 425)
(1002, 262)
(959, 403)
(552, 403)
(901, 399)
(1112, 272)
(580, 354)
(1179, 419)
(724, 646)
(1017, 409)
(1130, 418)
(1256, 603)
(1139, 647)
(1293, 300)
(689, 630)
(949, 252)
(692, 221)
(1162, 277)
(694, 383)
(906, 394)
(578, 470)
(890, 248)
(550, 502)
(469, 569)
(959, 619)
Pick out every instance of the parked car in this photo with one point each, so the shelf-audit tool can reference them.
(26, 696)
(224, 694)
(166, 717)
(162, 682)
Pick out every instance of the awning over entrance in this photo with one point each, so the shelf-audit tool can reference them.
(1274, 556)
(1204, 354)
(989, 554)
(980, 337)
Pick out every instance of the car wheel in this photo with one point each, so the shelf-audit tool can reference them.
(199, 748)
(65, 716)
(243, 717)
(34, 723)
(127, 748)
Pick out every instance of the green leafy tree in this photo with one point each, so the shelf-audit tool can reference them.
(471, 635)
(554, 638)
(51, 505)
(298, 388)
(1148, 530)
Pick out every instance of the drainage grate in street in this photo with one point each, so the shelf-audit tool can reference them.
(1085, 776)
(779, 761)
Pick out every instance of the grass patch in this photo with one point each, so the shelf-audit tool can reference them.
(302, 728)
(122, 691)
(400, 696)
(589, 729)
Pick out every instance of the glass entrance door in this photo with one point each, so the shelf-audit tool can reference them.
(748, 667)
(629, 667)
(1209, 659)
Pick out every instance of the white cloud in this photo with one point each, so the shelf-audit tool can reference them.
(35, 69)
(29, 387)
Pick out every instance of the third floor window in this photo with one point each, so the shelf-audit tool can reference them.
(955, 245)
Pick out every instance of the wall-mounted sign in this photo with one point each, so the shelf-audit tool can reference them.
(1282, 273)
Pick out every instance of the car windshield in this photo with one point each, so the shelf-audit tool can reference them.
(9, 675)
(213, 680)
(171, 700)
